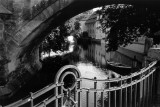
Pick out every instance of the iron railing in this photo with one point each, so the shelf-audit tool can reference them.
(135, 90)
(29, 101)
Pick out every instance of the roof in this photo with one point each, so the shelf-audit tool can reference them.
(3, 10)
(92, 18)
(82, 17)
(157, 33)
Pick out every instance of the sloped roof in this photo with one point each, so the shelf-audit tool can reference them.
(157, 33)
(84, 18)
(92, 18)
(3, 10)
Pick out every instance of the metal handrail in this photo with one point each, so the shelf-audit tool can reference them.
(34, 95)
(117, 88)
(123, 77)
(135, 89)
(48, 100)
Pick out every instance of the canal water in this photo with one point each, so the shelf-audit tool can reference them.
(90, 58)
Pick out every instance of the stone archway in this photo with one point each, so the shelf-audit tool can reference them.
(23, 44)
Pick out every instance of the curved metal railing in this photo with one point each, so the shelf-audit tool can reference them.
(29, 101)
(135, 90)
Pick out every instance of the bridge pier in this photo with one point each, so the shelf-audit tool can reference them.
(14, 57)
(17, 63)
(19, 69)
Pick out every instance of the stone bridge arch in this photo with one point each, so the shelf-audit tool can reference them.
(23, 41)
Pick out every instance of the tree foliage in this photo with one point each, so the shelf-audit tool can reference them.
(56, 40)
(77, 25)
(126, 23)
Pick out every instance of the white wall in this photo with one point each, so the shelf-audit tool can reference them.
(98, 32)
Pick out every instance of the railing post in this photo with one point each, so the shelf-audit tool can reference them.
(76, 94)
(143, 98)
(109, 95)
(115, 98)
(44, 103)
(95, 93)
(135, 100)
(31, 97)
(141, 91)
(147, 91)
(120, 98)
(102, 98)
(79, 93)
(87, 98)
(126, 98)
(56, 94)
(153, 86)
(151, 82)
(62, 94)
(131, 92)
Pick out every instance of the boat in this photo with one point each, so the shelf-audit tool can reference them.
(119, 68)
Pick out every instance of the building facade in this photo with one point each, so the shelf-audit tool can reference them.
(137, 49)
(93, 27)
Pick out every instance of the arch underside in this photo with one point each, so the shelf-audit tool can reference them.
(79, 6)
(25, 50)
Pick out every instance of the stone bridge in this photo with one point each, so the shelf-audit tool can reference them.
(23, 26)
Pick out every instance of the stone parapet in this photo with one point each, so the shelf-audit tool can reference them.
(153, 54)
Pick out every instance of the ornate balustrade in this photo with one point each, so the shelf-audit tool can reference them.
(135, 90)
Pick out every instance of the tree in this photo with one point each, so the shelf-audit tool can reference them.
(127, 23)
(56, 39)
(77, 25)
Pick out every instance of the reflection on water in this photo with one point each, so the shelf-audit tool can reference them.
(91, 65)
(91, 60)
(88, 70)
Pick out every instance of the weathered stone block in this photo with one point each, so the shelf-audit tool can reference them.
(154, 53)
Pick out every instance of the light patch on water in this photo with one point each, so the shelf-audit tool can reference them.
(71, 48)
(89, 71)
(11, 66)
(57, 53)
(70, 39)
